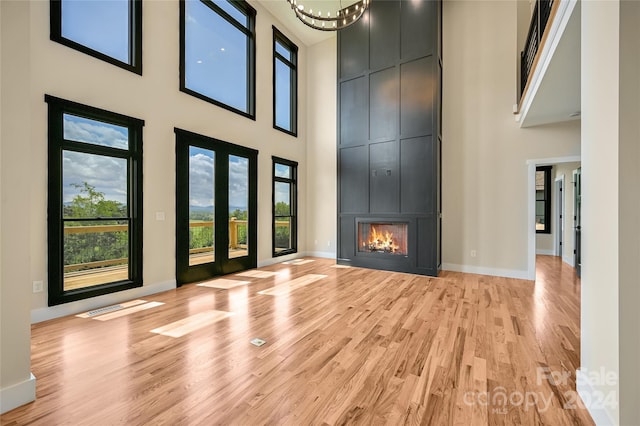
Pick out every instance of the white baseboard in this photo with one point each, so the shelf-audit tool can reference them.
(19, 394)
(568, 260)
(71, 308)
(546, 252)
(280, 259)
(323, 254)
(588, 393)
(496, 272)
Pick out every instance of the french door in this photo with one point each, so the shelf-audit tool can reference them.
(216, 207)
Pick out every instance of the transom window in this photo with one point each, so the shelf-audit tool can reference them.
(110, 30)
(285, 206)
(95, 201)
(543, 199)
(285, 84)
(217, 53)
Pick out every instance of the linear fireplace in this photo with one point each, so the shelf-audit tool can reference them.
(383, 237)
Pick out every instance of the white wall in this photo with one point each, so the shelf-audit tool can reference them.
(629, 180)
(17, 386)
(154, 97)
(321, 149)
(485, 175)
(600, 329)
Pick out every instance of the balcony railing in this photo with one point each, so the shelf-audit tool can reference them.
(535, 40)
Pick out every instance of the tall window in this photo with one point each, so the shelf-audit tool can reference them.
(543, 200)
(110, 30)
(285, 84)
(217, 53)
(285, 206)
(95, 201)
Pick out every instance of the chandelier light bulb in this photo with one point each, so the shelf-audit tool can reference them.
(329, 22)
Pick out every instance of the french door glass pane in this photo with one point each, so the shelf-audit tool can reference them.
(238, 206)
(201, 206)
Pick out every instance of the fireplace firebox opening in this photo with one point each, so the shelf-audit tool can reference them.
(383, 237)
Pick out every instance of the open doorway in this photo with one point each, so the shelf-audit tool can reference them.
(551, 209)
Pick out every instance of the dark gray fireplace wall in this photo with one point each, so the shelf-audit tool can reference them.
(389, 130)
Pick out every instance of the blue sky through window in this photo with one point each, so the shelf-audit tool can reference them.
(283, 95)
(282, 194)
(201, 178)
(283, 171)
(107, 175)
(81, 129)
(215, 56)
(101, 25)
(238, 183)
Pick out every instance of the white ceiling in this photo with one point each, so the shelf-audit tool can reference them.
(557, 98)
(281, 10)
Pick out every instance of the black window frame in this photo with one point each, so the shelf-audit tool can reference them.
(293, 66)
(135, 37)
(249, 31)
(547, 199)
(293, 205)
(56, 146)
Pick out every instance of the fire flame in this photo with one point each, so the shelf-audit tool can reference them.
(380, 241)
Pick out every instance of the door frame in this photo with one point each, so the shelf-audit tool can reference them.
(577, 221)
(222, 264)
(531, 206)
(559, 215)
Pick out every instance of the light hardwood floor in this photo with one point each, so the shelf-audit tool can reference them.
(358, 346)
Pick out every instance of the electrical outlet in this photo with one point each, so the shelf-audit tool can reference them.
(159, 215)
(473, 253)
(38, 286)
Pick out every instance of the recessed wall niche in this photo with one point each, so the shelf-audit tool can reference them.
(389, 138)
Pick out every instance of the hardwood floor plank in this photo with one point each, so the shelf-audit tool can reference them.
(359, 347)
(223, 283)
(192, 323)
(127, 311)
(254, 273)
(292, 285)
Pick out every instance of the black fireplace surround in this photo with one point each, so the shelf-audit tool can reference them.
(389, 138)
